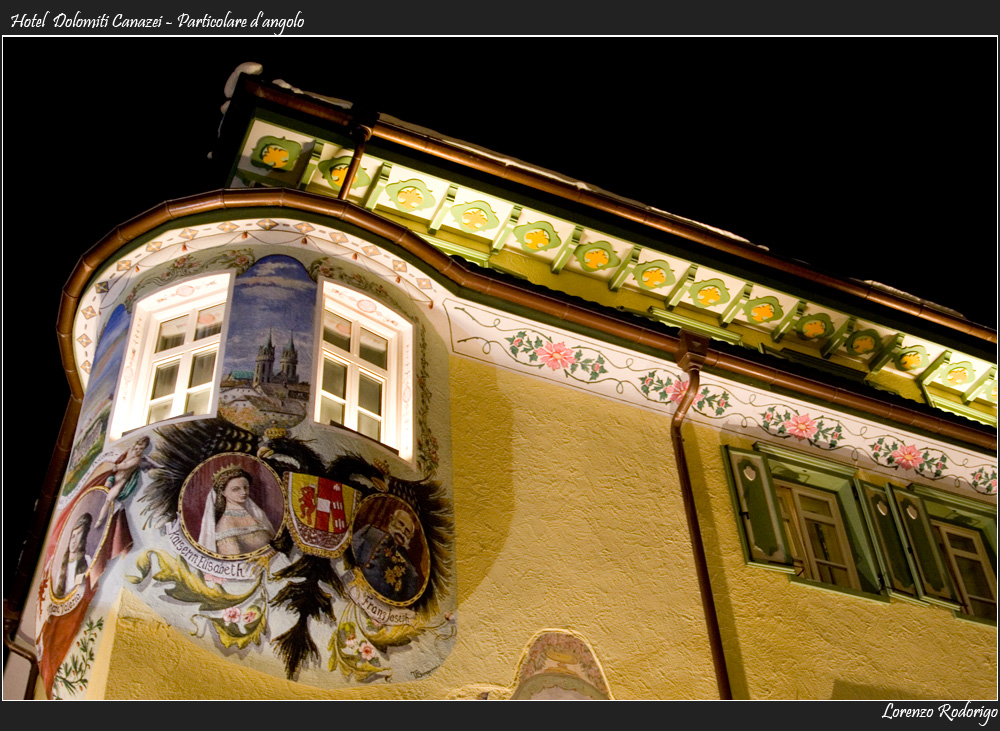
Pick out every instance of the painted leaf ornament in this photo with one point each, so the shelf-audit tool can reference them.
(410, 197)
(762, 313)
(708, 296)
(596, 258)
(475, 218)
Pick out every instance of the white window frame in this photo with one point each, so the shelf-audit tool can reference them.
(135, 383)
(364, 312)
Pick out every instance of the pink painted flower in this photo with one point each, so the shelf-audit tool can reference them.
(908, 457)
(367, 651)
(231, 614)
(556, 356)
(517, 342)
(676, 390)
(801, 426)
(250, 615)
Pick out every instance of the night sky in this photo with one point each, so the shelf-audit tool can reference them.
(866, 158)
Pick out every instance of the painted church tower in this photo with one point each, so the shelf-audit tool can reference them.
(265, 363)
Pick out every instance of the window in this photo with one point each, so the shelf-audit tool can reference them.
(820, 550)
(364, 368)
(813, 519)
(171, 362)
(970, 568)
(799, 515)
(953, 543)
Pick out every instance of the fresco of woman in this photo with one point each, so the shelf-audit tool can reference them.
(233, 523)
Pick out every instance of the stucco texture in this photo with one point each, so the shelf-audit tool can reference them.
(568, 515)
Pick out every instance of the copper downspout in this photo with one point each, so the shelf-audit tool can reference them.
(361, 135)
(691, 357)
(630, 210)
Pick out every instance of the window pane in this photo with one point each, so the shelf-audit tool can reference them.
(335, 379)
(374, 349)
(202, 368)
(973, 577)
(337, 331)
(209, 321)
(825, 545)
(159, 412)
(369, 426)
(961, 543)
(812, 505)
(331, 412)
(370, 395)
(164, 380)
(986, 610)
(197, 403)
(171, 333)
(834, 575)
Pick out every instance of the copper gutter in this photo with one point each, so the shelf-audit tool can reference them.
(691, 357)
(630, 210)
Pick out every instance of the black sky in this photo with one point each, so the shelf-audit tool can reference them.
(866, 158)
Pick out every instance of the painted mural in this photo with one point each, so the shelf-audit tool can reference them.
(556, 664)
(596, 367)
(301, 550)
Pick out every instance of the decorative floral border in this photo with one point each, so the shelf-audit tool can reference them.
(498, 338)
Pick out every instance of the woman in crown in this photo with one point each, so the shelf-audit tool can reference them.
(233, 524)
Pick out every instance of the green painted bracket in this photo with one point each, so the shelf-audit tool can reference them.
(839, 337)
(380, 182)
(673, 319)
(786, 324)
(934, 369)
(981, 384)
(886, 354)
(312, 164)
(624, 269)
(567, 250)
(481, 258)
(498, 242)
(449, 199)
(683, 282)
(730, 312)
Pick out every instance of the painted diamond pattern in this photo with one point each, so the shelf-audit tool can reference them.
(124, 265)
(424, 283)
(370, 251)
(102, 287)
(338, 238)
(188, 233)
(228, 227)
(88, 312)
(153, 246)
(304, 227)
(398, 266)
(85, 366)
(267, 224)
(84, 340)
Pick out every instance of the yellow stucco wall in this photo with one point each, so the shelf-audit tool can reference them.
(568, 515)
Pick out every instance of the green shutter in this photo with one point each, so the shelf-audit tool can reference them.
(763, 531)
(935, 584)
(892, 553)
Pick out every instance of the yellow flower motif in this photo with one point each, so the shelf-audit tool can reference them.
(863, 345)
(708, 296)
(338, 175)
(276, 157)
(911, 361)
(814, 328)
(957, 376)
(653, 277)
(536, 239)
(410, 197)
(763, 312)
(474, 218)
(596, 258)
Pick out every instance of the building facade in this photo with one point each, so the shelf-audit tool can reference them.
(524, 439)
